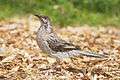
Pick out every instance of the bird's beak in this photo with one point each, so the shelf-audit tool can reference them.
(39, 16)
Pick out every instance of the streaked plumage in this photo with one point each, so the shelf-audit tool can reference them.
(51, 44)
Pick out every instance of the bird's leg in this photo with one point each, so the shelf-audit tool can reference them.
(71, 58)
(58, 61)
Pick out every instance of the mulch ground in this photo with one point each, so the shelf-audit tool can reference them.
(21, 58)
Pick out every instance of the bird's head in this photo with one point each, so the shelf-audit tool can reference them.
(45, 23)
(43, 19)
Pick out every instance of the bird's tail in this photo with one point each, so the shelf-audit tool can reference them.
(77, 53)
(92, 54)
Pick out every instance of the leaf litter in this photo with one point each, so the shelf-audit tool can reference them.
(21, 58)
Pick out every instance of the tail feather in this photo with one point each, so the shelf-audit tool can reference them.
(77, 53)
(92, 54)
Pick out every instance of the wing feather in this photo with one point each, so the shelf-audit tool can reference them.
(60, 45)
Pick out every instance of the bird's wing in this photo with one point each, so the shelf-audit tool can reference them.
(61, 47)
(58, 44)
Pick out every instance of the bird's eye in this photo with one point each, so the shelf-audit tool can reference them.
(45, 20)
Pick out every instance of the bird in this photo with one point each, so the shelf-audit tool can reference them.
(54, 46)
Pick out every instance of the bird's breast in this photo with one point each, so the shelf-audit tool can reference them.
(42, 43)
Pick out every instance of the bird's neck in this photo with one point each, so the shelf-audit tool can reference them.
(45, 29)
(49, 28)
